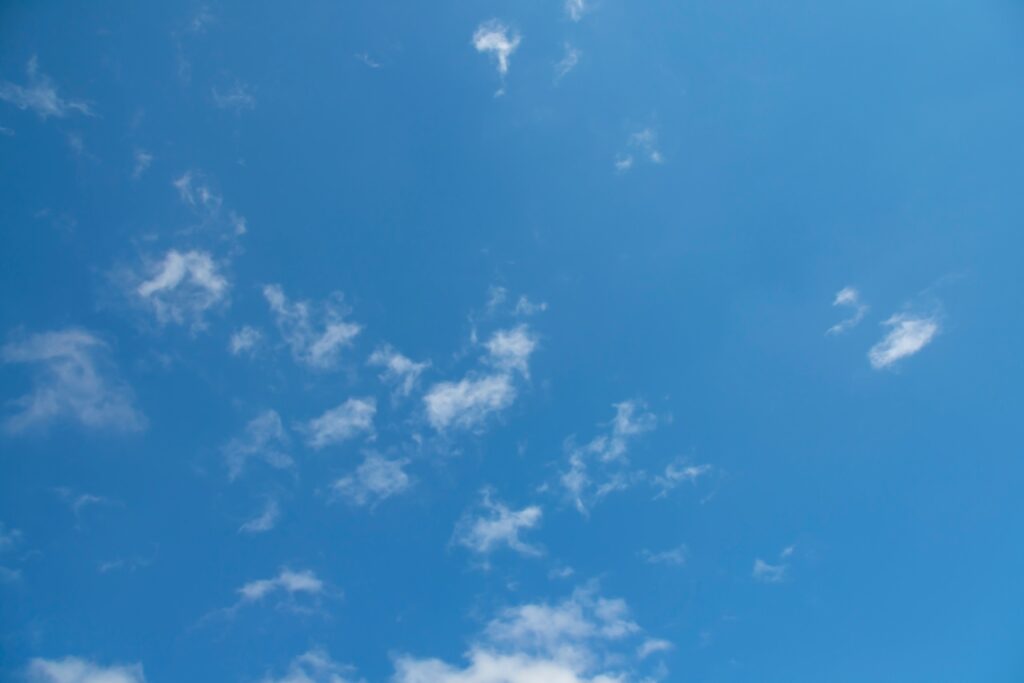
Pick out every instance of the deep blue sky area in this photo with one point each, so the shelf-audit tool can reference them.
(536, 341)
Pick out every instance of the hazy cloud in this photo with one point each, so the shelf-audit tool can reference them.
(40, 95)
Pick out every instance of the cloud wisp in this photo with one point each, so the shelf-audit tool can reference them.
(74, 380)
(315, 666)
(265, 439)
(374, 481)
(399, 371)
(495, 525)
(316, 335)
(341, 423)
(77, 670)
(908, 334)
(40, 96)
(182, 287)
(500, 42)
(848, 297)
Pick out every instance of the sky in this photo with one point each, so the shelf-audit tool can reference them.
(561, 341)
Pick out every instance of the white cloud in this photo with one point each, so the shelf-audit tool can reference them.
(182, 287)
(75, 670)
(244, 340)
(568, 62)
(526, 307)
(644, 144)
(237, 97)
(399, 371)
(287, 582)
(677, 473)
(631, 420)
(74, 380)
(374, 481)
(40, 96)
(909, 334)
(510, 350)
(195, 191)
(315, 666)
(769, 573)
(651, 646)
(143, 159)
(497, 526)
(850, 298)
(575, 9)
(467, 403)
(264, 439)
(676, 557)
(351, 418)
(579, 640)
(263, 522)
(318, 346)
(496, 38)
(8, 537)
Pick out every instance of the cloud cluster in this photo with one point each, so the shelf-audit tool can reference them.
(580, 639)
(74, 380)
(75, 670)
(315, 335)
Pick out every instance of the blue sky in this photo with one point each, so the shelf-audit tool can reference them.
(507, 342)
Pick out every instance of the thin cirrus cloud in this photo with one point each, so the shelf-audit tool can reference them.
(398, 370)
(316, 335)
(143, 160)
(182, 287)
(569, 61)
(77, 670)
(642, 145)
(573, 641)
(314, 666)
(237, 97)
(495, 526)
(766, 572)
(74, 380)
(599, 467)
(374, 481)
(575, 9)
(263, 522)
(674, 557)
(468, 403)
(908, 334)
(244, 340)
(848, 297)
(677, 474)
(264, 439)
(40, 96)
(289, 585)
(341, 423)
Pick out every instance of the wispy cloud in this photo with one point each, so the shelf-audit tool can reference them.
(676, 474)
(236, 96)
(848, 297)
(675, 557)
(245, 340)
(76, 670)
(399, 371)
(765, 572)
(264, 439)
(643, 145)
(288, 584)
(263, 522)
(569, 61)
(583, 484)
(315, 666)
(339, 424)
(575, 9)
(908, 334)
(182, 287)
(40, 95)
(495, 525)
(315, 335)
(374, 481)
(74, 380)
(143, 159)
